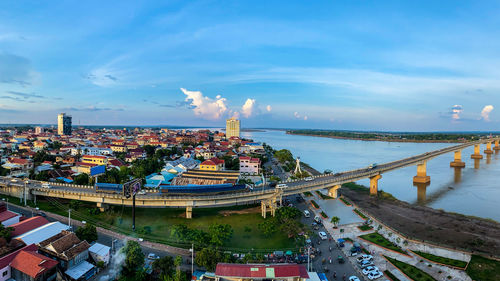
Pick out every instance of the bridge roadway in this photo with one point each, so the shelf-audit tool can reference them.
(262, 194)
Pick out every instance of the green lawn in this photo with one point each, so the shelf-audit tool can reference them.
(308, 194)
(365, 227)
(380, 240)
(246, 234)
(442, 260)
(483, 269)
(411, 271)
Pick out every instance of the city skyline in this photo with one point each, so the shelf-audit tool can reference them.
(360, 66)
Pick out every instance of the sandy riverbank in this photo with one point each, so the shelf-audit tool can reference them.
(375, 139)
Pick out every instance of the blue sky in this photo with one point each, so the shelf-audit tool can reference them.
(368, 65)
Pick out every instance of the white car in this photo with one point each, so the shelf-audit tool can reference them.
(374, 275)
(322, 235)
(308, 179)
(141, 192)
(354, 278)
(365, 264)
(282, 185)
(369, 269)
(153, 256)
(363, 258)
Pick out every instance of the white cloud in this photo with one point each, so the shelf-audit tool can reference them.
(269, 108)
(455, 111)
(485, 113)
(249, 108)
(206, 107)
(305, 117)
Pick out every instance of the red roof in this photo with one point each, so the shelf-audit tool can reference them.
(217, 160)
(18, 161)
(5, 215)
(32, 263)
(261, 271)
(6, 260)
(27, 225)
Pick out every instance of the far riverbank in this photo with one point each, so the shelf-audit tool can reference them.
(377, 139)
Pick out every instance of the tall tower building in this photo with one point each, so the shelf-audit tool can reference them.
(232, 128)
(63, 124)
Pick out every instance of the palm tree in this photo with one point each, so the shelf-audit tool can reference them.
(335, 221)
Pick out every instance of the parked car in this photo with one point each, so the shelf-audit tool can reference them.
(354, 278)
(322, 235)
(308, 179)
(364, 258)
(153, 256)
(282, 185)
(366, 264)
(317, 219)
(13, 180)
(307, 214)
(374, 275)
(369, 269)
(340, 259)
(45, 185)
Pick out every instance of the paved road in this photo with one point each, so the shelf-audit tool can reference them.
(317, 265)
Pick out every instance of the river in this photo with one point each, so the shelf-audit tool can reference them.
(473, 190)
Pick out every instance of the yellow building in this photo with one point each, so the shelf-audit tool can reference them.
(213, 164)
(95, 159)
(232, 128)
(118, 148)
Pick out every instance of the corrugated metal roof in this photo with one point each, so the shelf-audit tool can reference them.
(261, 271)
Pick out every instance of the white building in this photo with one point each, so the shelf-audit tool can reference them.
(249, 165)
(100, 252)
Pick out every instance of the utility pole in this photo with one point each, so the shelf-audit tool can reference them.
(308, 261)
(133, 212)
(25, 193)
(192, 259)
(69, 218)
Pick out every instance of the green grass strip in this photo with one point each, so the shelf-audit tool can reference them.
(308, 194)
(360, 214)
(390, 275)
(345, 201)
(380, 240)
(314, 204)
(411, 271)
(365, 227)
(324, 197)
(442, 260)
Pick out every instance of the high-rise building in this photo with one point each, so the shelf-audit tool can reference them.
(63, 124)
(38, 130)
(232, 128)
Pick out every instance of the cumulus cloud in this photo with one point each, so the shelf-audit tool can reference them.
(249, 108)
(269, 108)
(206, 107)
(485, 113)
(455, 111)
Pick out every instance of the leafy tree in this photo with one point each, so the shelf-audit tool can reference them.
(150, 150)
(81, 179)
(42, 176)
(219, 233)
(164, 266)
(6, 232)
(335, 221)
(134, 258)
(87, 232)
(3, 171)
(291, 227)
(74, 204)
(179, 231)
(287, 213)
(208, 258)
(268, 227)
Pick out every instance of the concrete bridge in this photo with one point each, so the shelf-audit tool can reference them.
(267, 196)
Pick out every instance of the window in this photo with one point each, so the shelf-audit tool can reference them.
(5, 273)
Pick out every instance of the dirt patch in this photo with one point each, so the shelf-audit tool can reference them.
(436, 226)
(240, 212)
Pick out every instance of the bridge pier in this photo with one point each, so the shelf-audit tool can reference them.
(477, 152)
(102, 206)
(497, 145)
(374, 184)
(488, 148)
(457, 162)
(421, 192)
(333, 191)
(421, 176)
(189, 212)
(457, 175)
(476, 163)
(263, 208)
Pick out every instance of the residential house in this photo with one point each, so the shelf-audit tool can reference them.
(32, 266)
(42, 233)
(214, 164)
(95, 159)
(28, 225)
(71, 253)
(7, 217)
(5, 261)
(250, 272)
(100, 252)
(249, 165)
